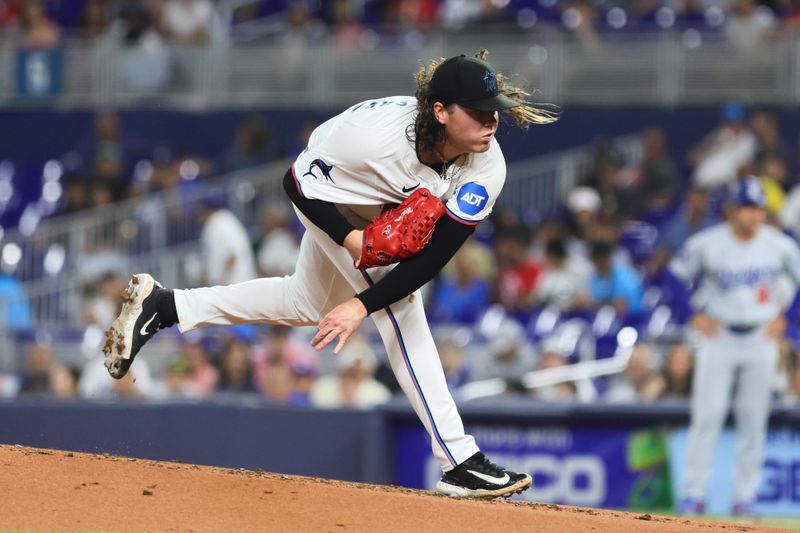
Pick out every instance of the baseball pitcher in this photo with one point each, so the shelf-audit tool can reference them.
(435, 158)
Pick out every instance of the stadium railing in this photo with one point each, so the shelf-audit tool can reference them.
(662, 68)
(539, 184)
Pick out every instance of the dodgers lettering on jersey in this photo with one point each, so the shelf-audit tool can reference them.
(739, 282)
(728, 279)
(362, 157)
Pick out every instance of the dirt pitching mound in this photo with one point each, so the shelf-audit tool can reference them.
(56, 491)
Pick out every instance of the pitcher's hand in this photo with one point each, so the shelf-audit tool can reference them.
(340, 322)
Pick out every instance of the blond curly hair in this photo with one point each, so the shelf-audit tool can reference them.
(428, 132)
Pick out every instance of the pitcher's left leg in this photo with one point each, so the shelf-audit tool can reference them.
(416, 364)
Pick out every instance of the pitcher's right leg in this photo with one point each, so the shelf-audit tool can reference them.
(297, 300)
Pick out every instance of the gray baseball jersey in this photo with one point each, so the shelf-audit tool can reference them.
(740, 280)
(740, 283)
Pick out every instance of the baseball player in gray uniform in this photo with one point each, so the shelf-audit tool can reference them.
(738, 266)
(374, 153)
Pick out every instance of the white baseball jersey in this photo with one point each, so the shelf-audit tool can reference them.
(363, 159)
(740, 280)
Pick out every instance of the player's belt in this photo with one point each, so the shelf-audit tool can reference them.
(741, 329)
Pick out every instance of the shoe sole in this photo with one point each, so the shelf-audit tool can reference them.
(119, 337)
(455, 491)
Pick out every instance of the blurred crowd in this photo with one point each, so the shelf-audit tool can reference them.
(524, 294)
(108, 168)
(43, 23)
(352, 23)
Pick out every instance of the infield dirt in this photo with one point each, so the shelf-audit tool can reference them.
(57, 491)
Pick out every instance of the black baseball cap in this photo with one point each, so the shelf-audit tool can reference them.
(468, 82)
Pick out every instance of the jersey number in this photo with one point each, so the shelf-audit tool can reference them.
(762, 294)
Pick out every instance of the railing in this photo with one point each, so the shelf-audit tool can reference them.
(159, 232)
(580, 373)
(663, 68)
(539, 184)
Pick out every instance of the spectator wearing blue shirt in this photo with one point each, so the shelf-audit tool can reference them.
(464, 298)
(693, 216)
(15, 311)
(615, 284)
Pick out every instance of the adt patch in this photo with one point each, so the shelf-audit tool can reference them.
(472, 198)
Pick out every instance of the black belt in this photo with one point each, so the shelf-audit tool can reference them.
(742, 329)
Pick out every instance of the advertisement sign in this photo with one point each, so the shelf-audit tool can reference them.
(39, 73)
(588, 466)
(779, 491)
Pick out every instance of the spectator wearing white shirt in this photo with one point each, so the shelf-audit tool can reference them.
(508, 355)
(187, 22)
(749, 26)
(354, 385)
(789, 215)
(725, 150)
(639, 383)
(563, 283)
(279, 249)
(94, 381)
(227, 253)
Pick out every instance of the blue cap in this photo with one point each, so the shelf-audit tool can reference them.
(747, 192)
(733, 111)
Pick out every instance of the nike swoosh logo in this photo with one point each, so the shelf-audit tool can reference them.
(143, 331)
(409, 189)
(491, 479)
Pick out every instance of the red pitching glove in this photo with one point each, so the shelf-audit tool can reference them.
(402, 231)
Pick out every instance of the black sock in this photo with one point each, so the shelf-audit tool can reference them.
(167, 312)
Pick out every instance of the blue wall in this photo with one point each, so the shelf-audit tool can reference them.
(334, 444)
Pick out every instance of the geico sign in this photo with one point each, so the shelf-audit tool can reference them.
(780, 481)
(575, 479)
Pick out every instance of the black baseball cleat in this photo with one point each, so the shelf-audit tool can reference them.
(136, 324)
(478, 477)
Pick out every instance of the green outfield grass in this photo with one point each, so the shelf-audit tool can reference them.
(792, 524)
(783, 523)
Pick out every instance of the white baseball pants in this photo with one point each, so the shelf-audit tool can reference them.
(324, 278)
(752, 358)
